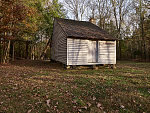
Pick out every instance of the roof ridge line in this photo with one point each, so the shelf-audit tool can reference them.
(73, 20)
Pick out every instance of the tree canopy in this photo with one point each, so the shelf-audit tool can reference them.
(28, 20)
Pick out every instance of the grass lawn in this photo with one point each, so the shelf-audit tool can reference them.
(40, 87)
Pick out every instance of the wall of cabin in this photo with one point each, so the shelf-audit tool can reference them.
(107, 52)
(59, 44)
(77, 51)
(80, 52)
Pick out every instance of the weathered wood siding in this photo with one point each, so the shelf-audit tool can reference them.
(107, 52)
(77, 50)
(59, 44)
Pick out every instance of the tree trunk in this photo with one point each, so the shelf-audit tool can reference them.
(13, 51)
(120, 52)
(19, 49)
(6, 50)
(27, 47)
(45, 49)
(149, 50)
(1, 50)
(32, 53)
(118, 49)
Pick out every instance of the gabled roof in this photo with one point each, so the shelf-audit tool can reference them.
(83, 29)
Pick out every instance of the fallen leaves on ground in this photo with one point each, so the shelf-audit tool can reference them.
(42, 86)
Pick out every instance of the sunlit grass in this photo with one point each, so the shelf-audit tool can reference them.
(27, 88)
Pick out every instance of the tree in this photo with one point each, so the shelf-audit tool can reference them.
(48, 10)
(77, 7)
(13, 15)
(121, 8)
(104, 12)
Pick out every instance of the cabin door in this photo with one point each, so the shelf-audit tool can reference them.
(93, 51)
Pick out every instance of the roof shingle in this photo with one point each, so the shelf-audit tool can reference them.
(83, 29)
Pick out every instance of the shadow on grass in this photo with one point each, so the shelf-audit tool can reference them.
(121, 90)
(38, 64)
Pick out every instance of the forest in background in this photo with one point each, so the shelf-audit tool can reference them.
(26, 25)
(128, 20)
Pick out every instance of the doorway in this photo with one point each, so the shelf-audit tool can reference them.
(92, 51)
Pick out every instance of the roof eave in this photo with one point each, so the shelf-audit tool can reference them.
(90, 38)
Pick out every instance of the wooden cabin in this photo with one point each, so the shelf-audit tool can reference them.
(81, 43)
